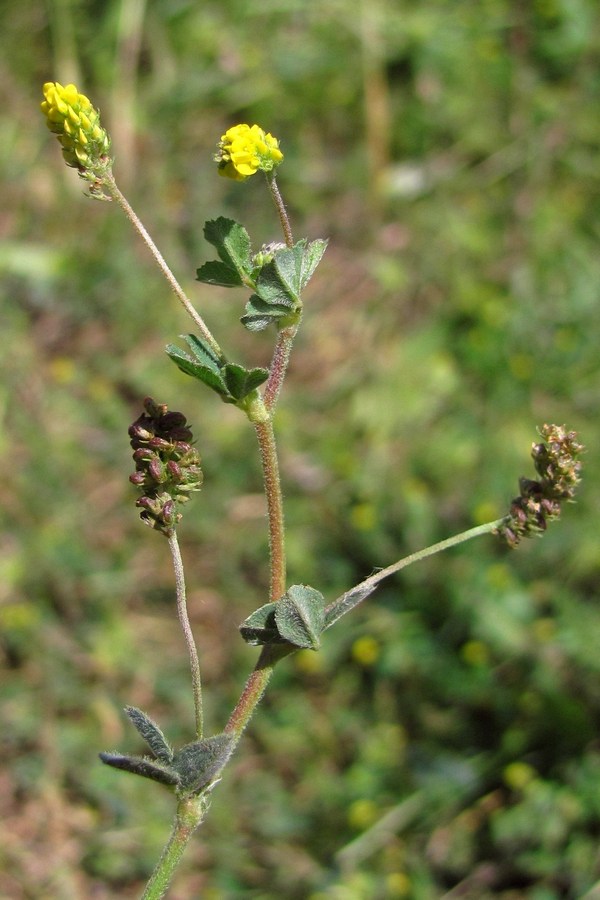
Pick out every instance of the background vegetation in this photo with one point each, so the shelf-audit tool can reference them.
(445, 741)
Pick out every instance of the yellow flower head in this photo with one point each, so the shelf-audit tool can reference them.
(75, 122)
(244, 150)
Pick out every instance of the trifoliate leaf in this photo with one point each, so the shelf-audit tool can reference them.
(232, 243)
(216, 272)
(272, 288)
(151, 733)
(231, 381)
(260, 627)
(240, 381)
(288, 264)
(203, 373)
(198, 764)
(203, 352)
(260, 314)
(300, 616)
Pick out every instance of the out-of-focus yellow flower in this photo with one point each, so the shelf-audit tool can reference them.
(362, 814)
(245, 150)
(366, 651)
(72, 118)
(518, 775)
(475, 653)
(398, 884)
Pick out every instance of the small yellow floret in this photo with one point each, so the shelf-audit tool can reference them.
(244, 150)
(72, 118)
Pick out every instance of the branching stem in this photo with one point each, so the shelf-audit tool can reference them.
(360, 591)
(258, 680)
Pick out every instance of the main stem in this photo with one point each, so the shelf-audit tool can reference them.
(258, 680)
(111, 185)
(272, 483)
(252, 693)
(190, 813)
(187, 631)
(279, 364)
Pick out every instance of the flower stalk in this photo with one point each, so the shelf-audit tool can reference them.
(281, 210)
(184, 621)
(119, 197)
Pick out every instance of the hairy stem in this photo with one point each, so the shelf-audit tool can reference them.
(280, 205)
(187, 631)
(111, 185)
(252, 693)
(272, 483)
(279, 364)
(189, 815)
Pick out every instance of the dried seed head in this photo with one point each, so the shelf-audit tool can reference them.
(167, 465)
(556, 462)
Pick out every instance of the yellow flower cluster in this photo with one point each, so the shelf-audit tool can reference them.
(244, 150)
(75, 122)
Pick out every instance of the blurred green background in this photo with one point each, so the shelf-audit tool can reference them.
(445, 741)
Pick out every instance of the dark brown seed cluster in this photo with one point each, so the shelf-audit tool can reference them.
(557, 464)
(167, 466)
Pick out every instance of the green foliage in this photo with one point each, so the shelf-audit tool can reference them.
(297, 618)
(300, 616)
(278, 274)
(151, 734)
(231, 381)
(233, 245)
(189, 770)
(279, 284)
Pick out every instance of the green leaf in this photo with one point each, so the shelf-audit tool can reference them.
(216, 272)
(260, 627)
(231, 381)
(300, 616)
(199, 763)
(288, 264)
(151, 733)
(203, 352)
(203, 373)
(232, 243)
(140, 765)
(257, 322)
(260, 314)
(240, 381)
(270, 286)
(311, 257)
